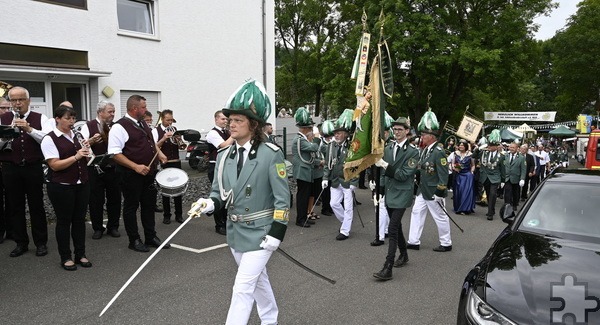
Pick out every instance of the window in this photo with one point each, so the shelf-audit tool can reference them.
(81, 4)
(136, 16)
(152, 100)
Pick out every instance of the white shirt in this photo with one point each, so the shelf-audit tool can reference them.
(247, 147)
(155, 132)
(213, 137)
(85, 131)
(544, 157)
(36, 134)
(118, 136)
(49, 148)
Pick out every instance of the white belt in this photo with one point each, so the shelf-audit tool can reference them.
(251, 216)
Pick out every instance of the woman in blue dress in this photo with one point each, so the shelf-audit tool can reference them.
(463, 168)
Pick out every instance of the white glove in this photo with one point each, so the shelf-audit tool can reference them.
(270, 243)
(352, 188)
(381, 163)
(521, 183)
(382, 200)
(202, 206)
(502, 184)
(438, 199)
(372, 185)
(324, 184)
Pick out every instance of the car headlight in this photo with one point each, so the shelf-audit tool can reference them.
(479, 312)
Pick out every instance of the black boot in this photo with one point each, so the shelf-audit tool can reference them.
(402, 259)
(385, 273)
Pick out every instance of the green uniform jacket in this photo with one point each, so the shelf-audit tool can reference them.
(334, 168)
(433, 168)
(517, 170)
(399, 176)
(262, 185)
(491, 168)
(303, 161)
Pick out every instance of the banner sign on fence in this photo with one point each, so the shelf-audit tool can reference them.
(521, 116)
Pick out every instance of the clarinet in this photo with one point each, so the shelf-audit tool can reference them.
(83, 143)
(8, 146)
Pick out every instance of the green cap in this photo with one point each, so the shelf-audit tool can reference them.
(344, 122)
(327, 128)
(251, 100)
(429, 123)
(302, 117)
(404, 121)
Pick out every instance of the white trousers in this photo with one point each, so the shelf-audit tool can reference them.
(384, 219)
(417, 221)
(252, 284)
(343, 214)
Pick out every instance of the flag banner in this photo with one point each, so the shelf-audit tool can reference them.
(367, 146)
(363, 59)
(469, 128)
(584, 123)
(520, 116)
(387, 77)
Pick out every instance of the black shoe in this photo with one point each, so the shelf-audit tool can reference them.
(83, 264)
(443, 248)
(113, 233)
(413, 247)
(385, 273)
(402, 260)
(138, 246)
(362, 187)
(157, 209)
(377, 242)
(18, 251)
(221, 231)
(179, 219)
(490, 216)
(155, 242)
(387, 236)
(341, 237)
(68, 267)
(303, 225)
(327, 213)
(41, 250)
(167, 221)
(97, 234)
(523, 199)
(310, 222)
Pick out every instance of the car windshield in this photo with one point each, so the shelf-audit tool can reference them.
(566, 210)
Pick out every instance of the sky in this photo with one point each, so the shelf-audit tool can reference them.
(557, 20)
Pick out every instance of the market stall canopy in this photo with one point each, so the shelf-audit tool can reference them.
(524, 128)
(562, 131)
(509, 134)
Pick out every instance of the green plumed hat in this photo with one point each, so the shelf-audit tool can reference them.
(344, 122)
(494, 138)
(327, 128)
(303, 118)
(429, 123)
(388, 120)
(251, 100)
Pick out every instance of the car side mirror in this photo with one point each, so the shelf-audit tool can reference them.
(507, 213)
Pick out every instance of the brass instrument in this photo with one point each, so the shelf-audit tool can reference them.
(176, 139)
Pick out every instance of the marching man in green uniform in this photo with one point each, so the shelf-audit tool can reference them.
(400, 165)
(433, 170)
(304, 152)
(491, 171)
(515, 170)
(333, 175)
(251, 182)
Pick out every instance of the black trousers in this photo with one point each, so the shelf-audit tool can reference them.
(70, 205)
(220, 216)
(138, 192)
(21, 182)
(492, 194)
(396, 236)
(166, 201)
(511, 194)
(303, 193)
(105, 185)
(5, 226)
(325, 198)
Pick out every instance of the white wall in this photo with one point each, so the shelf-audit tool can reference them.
(206, 49)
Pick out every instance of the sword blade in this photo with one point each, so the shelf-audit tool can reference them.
(289, 257)
(449, 217)
(144, 265)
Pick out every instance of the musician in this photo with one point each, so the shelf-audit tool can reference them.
(68, 189)
(22, 172)
(136, 153)
(268, 130)
(218, 138)
(342, 190)
(164, 138)
(104, 182)
(399, 164)
(251, 181)
(5, 227)
(304, 151)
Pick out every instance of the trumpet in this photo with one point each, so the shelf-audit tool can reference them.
(176, 139)
(83, 143)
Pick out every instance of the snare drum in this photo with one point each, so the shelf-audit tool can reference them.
(171, 182)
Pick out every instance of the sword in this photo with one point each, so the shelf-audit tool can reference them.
(311, 211)
(194, 212)
(289, 257)
(356, 209)
(449, 217)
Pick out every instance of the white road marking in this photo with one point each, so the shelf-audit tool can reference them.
(198, 251)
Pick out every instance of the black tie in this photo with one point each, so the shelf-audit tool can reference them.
(21, 116)
(240, 163)
(397, 147)
(511, 157)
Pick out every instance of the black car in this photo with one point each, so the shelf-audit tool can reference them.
(544, 268)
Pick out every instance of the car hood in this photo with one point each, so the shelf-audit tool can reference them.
(529, 275)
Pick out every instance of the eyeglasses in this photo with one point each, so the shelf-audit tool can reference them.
(4, 107)
(16, 100)
(398, 129)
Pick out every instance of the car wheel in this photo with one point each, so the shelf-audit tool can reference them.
(193, 162)
(203, 164)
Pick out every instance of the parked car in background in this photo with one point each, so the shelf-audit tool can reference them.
(544, 268)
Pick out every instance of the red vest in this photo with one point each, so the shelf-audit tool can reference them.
(140, 148)
(24, 148)
(73, 173)
(170, 149)
(98, 148)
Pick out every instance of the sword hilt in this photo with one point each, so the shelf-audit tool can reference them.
(196, 209)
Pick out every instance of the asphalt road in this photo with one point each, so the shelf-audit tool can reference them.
(186, 285)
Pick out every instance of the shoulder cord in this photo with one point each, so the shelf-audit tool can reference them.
(330, 160)
(312, 158)
(226, 196)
